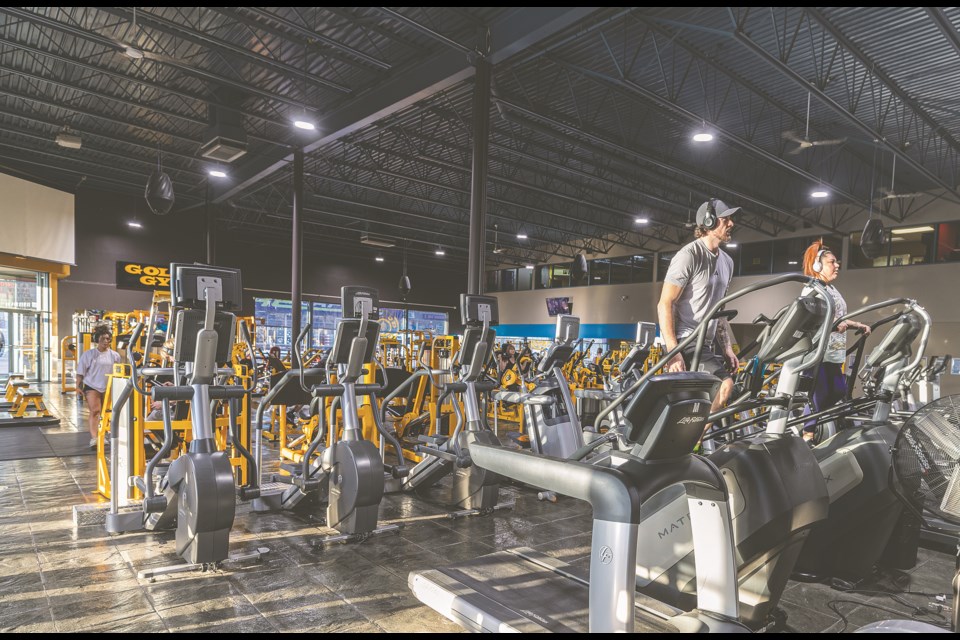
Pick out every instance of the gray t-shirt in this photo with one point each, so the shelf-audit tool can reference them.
(704, 277)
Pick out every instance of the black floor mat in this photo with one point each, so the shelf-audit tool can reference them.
(69, 443)
(27, 443)
(24, 443)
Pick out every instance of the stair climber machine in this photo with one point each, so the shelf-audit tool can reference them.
(591, 401)
(524, 590)
(197, 494)
(348, 475)
(868, 527)
(776, 490)
(474, 490)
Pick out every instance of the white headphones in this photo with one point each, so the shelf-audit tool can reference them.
(817, 265)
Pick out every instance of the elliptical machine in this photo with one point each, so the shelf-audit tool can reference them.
(198, 491)
(474, 490)
(550, 415)
(348, 475)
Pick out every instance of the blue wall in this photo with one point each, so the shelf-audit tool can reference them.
(590, 331)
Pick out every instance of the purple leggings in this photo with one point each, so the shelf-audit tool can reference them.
(830, 389)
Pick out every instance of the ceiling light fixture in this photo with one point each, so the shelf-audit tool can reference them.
(732, 245)
(521, 236)
(217, 173)
(702, 136)
(440, 251)
(642, 220)
(69, 140)
(905, 230)
(792, 262)
(133, 52)
(306, 125)
(819, 193)
(379, 258)
(133, 224)
(528, 266)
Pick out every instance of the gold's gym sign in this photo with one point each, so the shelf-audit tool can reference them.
(142, 277)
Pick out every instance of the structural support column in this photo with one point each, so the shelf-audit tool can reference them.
(478, 178)
(296, 244)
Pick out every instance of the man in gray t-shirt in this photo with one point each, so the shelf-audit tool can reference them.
(698, 277)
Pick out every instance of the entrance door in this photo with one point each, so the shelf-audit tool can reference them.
(21, 341)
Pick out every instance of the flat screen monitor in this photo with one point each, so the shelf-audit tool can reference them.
(474, 310)
(188, 282)
(189, 324)
(646, 333)
(355, 300)
(558, 306)
(568, 328)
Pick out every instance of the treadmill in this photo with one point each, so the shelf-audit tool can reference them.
(523, 590)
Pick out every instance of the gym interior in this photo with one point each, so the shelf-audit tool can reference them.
(487, 319)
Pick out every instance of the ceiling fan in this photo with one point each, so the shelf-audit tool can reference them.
(496, 249)
(890, 194)
(806, 142)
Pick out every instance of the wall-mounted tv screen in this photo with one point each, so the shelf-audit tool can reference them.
(557, 306)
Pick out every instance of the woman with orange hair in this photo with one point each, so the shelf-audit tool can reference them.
(821, 263)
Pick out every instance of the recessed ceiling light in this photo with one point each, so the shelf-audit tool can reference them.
(216, 173)
(134, 224)
(521, 236)
(819, 193)
(702, 136)
(642, 220)
(305, 125)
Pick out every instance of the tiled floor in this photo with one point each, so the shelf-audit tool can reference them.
(57, 577)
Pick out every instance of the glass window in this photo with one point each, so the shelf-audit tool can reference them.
(277, 326)
(663, 263)
(508, 280)
(788, 254)
(912, 245)
(643, 268)
(948, 242)
(856, 259)
(599, 271)
(621, 270)
(432, 321)
(325, 316)
(543, 276)
(493, 281)
(524, 279)
(755, 258)
(560, 275)
(734, 252)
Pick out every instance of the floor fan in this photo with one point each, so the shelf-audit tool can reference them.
(925, 474)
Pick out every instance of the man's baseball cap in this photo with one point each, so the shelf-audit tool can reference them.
(722, 210)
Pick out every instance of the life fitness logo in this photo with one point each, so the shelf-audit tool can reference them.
(144, 277)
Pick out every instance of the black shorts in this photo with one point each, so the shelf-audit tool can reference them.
(709, 362)
(87, 387)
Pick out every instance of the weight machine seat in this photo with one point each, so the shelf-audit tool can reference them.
(523, 398)
(595, 394)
